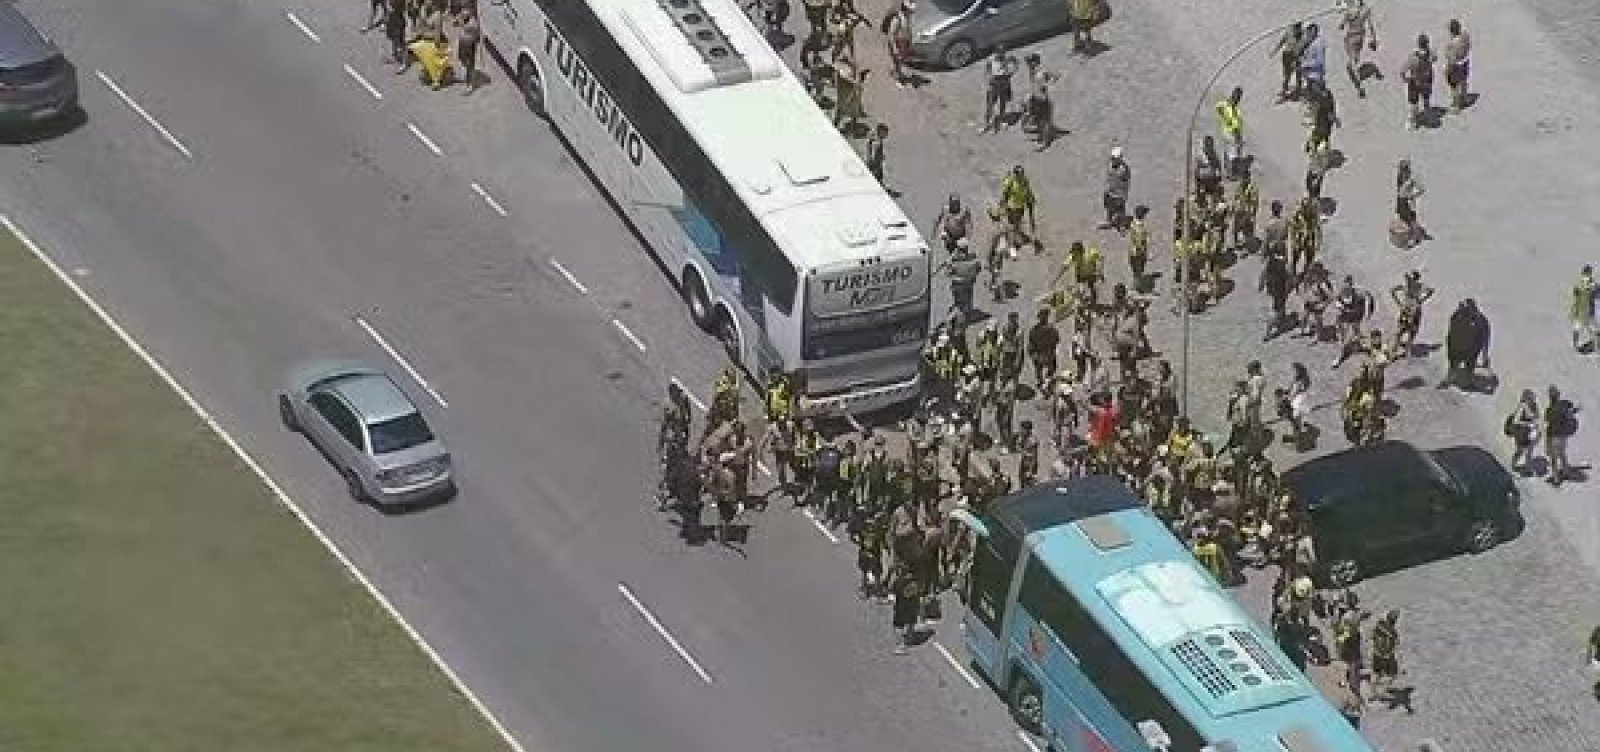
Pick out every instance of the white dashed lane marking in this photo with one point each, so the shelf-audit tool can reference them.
(423, 137)
(672, 642)
(401, 360)
(626, 332)
(362, 81)
(821, 528)
(949, 658)
(301, 25)
(488, 199)
(571, 278)
(143, 113)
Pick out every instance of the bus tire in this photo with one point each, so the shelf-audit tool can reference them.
(531, 85)
(695, 298)
(728, 334)
(1027, 704)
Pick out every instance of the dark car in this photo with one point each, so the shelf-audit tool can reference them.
(1391, 501)
(37, 84)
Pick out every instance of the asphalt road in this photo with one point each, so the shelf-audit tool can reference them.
(274, 200)
(307, 201)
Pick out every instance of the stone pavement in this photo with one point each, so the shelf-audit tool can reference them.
(1493, 643)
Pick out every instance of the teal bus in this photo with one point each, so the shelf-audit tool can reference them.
(1104, 634)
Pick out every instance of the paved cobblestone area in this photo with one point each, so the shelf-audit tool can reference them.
(1493, 644)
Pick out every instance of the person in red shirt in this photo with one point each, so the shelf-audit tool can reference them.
(1103, 415)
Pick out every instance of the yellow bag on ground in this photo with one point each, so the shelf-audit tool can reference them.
(435, 60)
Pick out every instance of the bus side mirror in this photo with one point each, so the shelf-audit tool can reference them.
(1156, 737)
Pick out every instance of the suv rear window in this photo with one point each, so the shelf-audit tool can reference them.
(33, 72)
(400, 433)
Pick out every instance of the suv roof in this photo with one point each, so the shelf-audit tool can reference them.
(21, 44)
(1333, 477)
(374, 396)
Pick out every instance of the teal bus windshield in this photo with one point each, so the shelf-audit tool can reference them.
(1105, 635)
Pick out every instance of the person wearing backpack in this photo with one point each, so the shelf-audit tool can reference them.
(1418, 75)
(1560, 424)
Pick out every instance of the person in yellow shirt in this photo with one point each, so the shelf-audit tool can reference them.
(1017, 202)
(1209, 554)
(1084, 15)
(1232, 122)
(1088, 269)
(780, 399)
(1139, 246)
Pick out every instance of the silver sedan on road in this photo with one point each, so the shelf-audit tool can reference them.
(370, 430)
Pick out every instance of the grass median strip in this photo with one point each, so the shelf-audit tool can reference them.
(153, 596)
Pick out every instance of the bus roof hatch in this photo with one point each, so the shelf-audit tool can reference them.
(701, 31)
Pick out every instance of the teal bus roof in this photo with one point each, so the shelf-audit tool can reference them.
(1221, 668)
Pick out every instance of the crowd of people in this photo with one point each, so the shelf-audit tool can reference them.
(419, 32)
(1079, 389)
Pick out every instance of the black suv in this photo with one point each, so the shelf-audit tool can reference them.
(1389, 501)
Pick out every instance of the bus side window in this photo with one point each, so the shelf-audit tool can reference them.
(987, 584)
(1123, 686)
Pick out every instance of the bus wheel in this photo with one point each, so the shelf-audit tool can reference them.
(728, 335)
(1027, 705)
(959, 54)
(532, 88)
(694, 296)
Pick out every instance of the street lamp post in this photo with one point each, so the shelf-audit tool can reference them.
(1188, 184)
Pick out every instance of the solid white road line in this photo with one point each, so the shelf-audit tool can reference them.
(966, 675)
(571, 278)
(488, 199)
(626, 332)
(401, 359)
(821, 528)
(655, 624)
(1028, 740)
(693, 400)
(304, 29)
(423, 137)
(266, 480)
(156, 124)
(363, 82)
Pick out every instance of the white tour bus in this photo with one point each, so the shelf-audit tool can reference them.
(780, 241)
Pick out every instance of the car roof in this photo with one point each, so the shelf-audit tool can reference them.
(21, 43)
(1333, 477)
(374, 396)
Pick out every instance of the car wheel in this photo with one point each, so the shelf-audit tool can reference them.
(352, 483)
(532, 88)
(1027, 705)
(1482, 535)
(959, 54)
(699, 303)
(286, 414)
(1343, 572)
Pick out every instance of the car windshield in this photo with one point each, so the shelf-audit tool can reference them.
(400, 433)
(1440, 474)
(953, 7)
